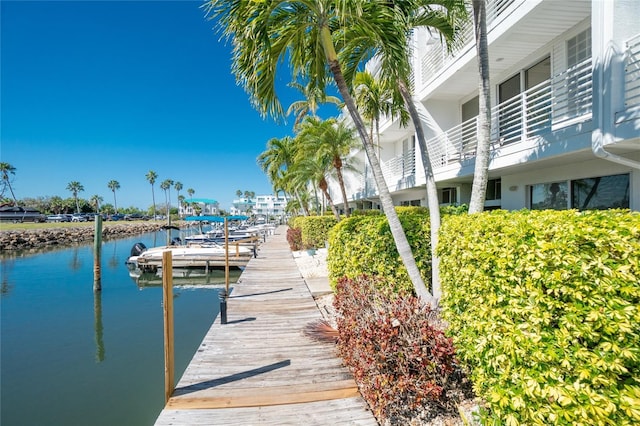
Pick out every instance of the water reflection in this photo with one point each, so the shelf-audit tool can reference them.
(97, 325)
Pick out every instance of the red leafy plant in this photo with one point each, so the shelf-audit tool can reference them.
(294, 238)
(403, 363)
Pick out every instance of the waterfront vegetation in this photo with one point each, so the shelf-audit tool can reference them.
(542, 308)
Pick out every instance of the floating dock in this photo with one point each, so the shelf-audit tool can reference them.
(260, 367)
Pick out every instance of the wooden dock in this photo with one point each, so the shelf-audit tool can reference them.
(260, 368)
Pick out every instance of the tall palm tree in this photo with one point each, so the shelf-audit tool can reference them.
(7, 169)
(266, 33)
(191, 191)
(391, 47)
(313, 97)
(74, 187)
(151, 178)
(481, 171)
(166, 187)
(95, 201)
(178, 187)
(332, 139)
(114, 185)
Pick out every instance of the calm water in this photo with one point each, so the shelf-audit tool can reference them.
(71, 358)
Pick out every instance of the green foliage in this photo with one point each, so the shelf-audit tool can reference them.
(399, 358)
(315, 230)
(544, 309)
(363, 244)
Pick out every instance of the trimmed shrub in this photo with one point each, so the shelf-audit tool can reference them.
(544, 309)
(315, 230)
(402, 362)
(363, 245)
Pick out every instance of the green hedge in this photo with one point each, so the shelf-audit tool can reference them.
(314, 229)
(544, 308)
(363, 244)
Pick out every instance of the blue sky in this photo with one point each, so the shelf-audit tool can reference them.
(98, 90)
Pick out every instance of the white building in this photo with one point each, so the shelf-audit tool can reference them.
(270, 206)
(565, 91)
(199, 207)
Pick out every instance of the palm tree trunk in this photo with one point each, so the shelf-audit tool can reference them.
(343, 190)
(153, 198)
(323, 187)
(402, 244)
(481, 172)
(432, 190)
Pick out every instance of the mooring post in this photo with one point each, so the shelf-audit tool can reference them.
(223, 306)
(97, 248)
(167, 299)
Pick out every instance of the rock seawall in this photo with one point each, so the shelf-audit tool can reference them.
(46, 237)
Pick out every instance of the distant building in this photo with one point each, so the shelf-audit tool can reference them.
(269, 206)
(199, 207)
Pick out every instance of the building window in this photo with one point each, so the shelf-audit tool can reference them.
(552, 195)
(410, 203)
(449, 196)
(605, 192)
(494, 189)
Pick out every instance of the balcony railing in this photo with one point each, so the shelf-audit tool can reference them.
(632, 73)
(550, 105)
(436, 57)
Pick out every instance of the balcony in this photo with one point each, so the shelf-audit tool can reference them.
(556, 103)
(632, 73)
(399, 173)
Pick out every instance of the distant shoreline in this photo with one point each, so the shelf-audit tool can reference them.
(21, 239)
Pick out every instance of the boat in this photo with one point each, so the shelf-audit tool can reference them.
(205, 255)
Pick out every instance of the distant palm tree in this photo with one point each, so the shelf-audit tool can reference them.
(239, 193)
(114, 185)
(166, 186)
(6, 169)
(334, 140)
(178, 187)
(151, 178)
(313, 97)
(191, 191)
(75, 187)
(96, 200)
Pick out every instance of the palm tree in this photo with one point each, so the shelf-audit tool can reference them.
(96, 200)
(239, 193)
(6, 169)
(313, 97)
(74, 187)
(114, 185)
(266, 33)
(376, 98)
(332, 139)
(392, 49)
(166, 187)
(191, 191)
(481, 171)
(151, 178)
(178, 187)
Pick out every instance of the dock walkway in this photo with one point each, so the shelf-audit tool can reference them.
(260, 368)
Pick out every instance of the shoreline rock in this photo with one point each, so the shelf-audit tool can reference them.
(48, 237)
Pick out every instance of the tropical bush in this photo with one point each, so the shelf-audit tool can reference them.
(402, 361)
(294, 238)
(544, 310)
(315, 230)
(363, 245)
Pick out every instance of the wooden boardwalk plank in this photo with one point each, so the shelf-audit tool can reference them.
(260, 368)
